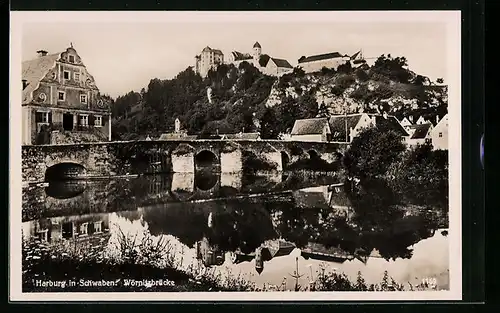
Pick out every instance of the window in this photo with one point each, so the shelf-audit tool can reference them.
(77, 76)
(42, 117)
(43, 235)
(71, 59)
(440, 135)
(98, 121)
(84, 229)
(61, 96)
(84, 120)
(98, 227)
(66, 75)
(83, 98)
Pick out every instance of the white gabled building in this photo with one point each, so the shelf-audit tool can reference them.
(439, 134)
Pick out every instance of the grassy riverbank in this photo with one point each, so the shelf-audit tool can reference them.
(150, 265)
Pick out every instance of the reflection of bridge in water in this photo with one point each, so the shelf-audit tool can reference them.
(64, 197)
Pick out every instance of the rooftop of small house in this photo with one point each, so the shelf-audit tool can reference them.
(318, 57)
(311, 126)
(281, 63)
(240, 136)
(177, 136)
(419, 131)
(384, 122)
(34, 70)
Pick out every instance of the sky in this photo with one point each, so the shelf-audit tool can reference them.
(125, 56)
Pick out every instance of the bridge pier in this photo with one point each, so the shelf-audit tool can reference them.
(231, 158)
(183, 159)
(273, 157)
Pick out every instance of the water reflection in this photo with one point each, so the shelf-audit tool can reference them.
(239, 222)
(65, 189)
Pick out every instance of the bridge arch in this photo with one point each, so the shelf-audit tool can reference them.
(313, 154)
(64, 171)
(206, 180)
(205, 159)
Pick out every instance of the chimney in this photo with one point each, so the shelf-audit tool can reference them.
(25, 83)
(411, 118)
(437, 119)
(384, 115)
(41, 53)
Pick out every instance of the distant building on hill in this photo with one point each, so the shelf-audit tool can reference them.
(208, 59)
(265, 63)
(315, 63)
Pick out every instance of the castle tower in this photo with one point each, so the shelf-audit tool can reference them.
(257, 51)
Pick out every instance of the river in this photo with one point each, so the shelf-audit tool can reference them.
(264, 229)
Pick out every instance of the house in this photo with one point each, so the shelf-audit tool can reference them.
(256, 58)
(78, 227)
(313, 129)
(406, 121)
(419, 134)
(439, 134)
(209, 254)
(263, 62)
(344, 128)
(278, 67)
(61, 102)
(421, 120)
(318, 251)
(315, 63)
(208, 59)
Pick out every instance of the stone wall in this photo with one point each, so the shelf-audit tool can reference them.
(122, 158)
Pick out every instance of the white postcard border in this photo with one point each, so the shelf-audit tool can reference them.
(451, 18)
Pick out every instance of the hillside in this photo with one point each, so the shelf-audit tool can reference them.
(233, 99)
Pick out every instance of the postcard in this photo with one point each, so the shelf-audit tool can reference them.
(235, 156)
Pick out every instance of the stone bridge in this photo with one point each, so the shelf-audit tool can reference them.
(44, 162)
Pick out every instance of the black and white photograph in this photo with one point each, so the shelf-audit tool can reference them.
(235, 156)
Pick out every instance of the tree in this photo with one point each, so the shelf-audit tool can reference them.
(421, 176)
(440, 81)
(372, 152)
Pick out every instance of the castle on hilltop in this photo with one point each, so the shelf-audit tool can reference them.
(212, 58)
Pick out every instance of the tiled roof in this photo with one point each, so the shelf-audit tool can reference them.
(324, 56)
(304, 199)
(282, 248)
(176, 136)
(339, 198)
(34, 70)
(420, 131)
(355, 55)
(389, 123)
(282, 63)
(239, 56)
(338, 125)
(309, 126)
(241, 136)
(207, 49)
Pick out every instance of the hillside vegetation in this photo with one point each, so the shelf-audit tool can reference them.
(243, 99)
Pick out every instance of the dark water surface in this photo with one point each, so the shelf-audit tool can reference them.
(264, 227)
